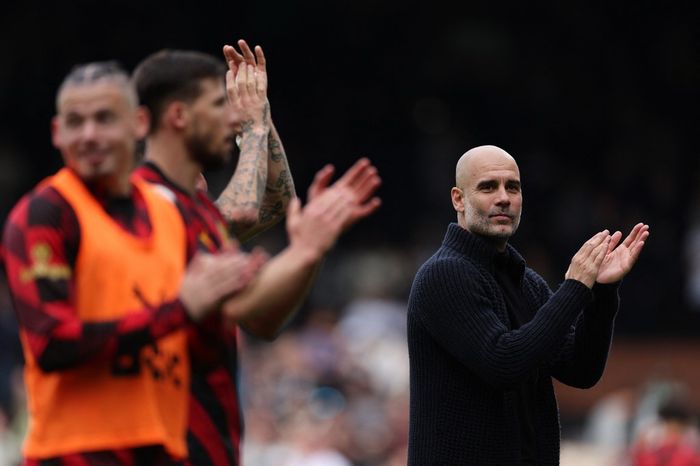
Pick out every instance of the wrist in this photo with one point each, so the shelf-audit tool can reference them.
(255, 126)
(304, 254)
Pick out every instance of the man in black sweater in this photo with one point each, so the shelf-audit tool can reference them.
(486, 333)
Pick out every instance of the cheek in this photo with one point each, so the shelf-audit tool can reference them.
(518, 204)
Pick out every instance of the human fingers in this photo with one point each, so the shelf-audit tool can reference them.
(320, 182)
(367, 185)
(231, 86)
(260, 58)
(232, 55)
(261, 83)
(592, 243)
(614, 241)
(365, 210)
(633, 235)
(642, 234)
(251, 81)
(638, 245)
(355, 171)
(600, 251)
(247, 53)
(242, 80)
(586, 262)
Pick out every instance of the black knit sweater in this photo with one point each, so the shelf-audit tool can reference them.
(466, 362)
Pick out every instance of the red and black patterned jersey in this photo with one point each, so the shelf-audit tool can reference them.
(215, 421)
(41, 241)
(141, 456)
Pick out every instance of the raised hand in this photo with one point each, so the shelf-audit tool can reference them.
(359, 182)
(332, 209)
(235, 59)
(586, 262)
(246, 85)
(316, 227)
(619, 260)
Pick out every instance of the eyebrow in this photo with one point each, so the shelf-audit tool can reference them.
(494, 183)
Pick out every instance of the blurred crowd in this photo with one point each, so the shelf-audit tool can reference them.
(332, 390)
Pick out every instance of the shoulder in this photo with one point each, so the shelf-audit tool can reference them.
(41, 216)
(446, 267)
(44, 207)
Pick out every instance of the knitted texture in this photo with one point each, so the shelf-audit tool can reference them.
(466, 361)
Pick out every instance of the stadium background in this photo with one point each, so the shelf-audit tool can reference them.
(598, 103)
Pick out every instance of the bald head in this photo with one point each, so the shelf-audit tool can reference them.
(487, 195)
(471, 163)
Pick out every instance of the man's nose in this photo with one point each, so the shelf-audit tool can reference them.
(89, 131)
(503, 198)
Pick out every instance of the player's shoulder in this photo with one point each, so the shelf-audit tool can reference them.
(43, 205)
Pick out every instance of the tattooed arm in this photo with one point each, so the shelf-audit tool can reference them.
(241, 200)
(265, 306)
(269, 206)
(279, 190)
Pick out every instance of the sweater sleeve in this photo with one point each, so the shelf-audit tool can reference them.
(581, 360)
(452, 301)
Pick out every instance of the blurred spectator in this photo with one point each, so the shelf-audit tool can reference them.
(610, 419)
(673, 440)
(334, 390)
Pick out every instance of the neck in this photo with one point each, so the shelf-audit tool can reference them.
(109, 186)
(171, 156)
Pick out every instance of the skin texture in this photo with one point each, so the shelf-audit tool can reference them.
(95, 128)
(488, 200)
(488, 197)
(284, 280)
(262, 186)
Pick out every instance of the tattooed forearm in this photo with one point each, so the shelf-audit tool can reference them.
(275, 148)
(241, 200)
(279, 182)
(277, 198)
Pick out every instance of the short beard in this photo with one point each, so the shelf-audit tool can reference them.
(207, 159)
(482, 230)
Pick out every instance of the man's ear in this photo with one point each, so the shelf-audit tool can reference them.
(55, 132)
(457, 199)
(143, 122)
(176, 115)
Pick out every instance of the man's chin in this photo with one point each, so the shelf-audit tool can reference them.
(502, 232)
(96, 172)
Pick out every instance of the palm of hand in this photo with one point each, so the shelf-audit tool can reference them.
(615, 265)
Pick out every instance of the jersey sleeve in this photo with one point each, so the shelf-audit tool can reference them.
(41, 241)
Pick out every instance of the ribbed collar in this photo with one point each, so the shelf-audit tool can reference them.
(478, 249)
